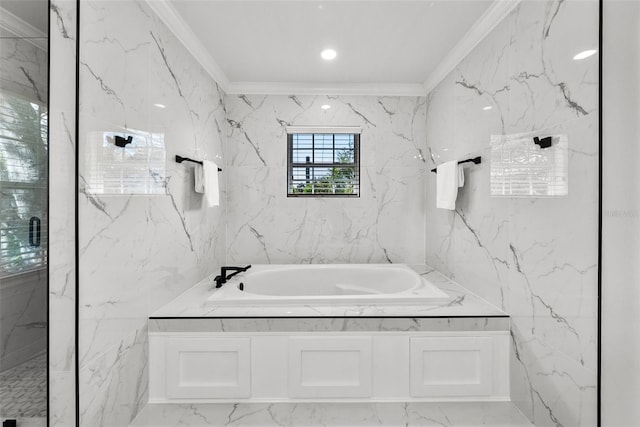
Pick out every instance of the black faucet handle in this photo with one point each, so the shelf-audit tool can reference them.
(219, 281)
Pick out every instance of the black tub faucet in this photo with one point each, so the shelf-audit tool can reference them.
(222, 278)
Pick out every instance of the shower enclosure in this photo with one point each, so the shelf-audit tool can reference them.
(23, 210)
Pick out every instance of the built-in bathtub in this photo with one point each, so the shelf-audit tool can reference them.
(321, 333)
(329, 284)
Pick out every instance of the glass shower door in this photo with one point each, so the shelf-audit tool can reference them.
(23, 211)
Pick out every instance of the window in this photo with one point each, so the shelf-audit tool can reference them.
(323, 162)
(23, 185)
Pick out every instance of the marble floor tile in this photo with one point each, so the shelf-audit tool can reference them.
(454, 414)
(23, 389)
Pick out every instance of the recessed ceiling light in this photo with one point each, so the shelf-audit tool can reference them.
(160, 105)
(585, 54)
(325, 106)
(328, 54)
(488, 107)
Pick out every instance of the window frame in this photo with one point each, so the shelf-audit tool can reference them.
(356, 132)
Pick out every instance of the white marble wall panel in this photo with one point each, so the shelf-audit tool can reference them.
(385, 224)
(23, 319)
(62, 177)
(23, 68)
(138, 252)
(535, 258)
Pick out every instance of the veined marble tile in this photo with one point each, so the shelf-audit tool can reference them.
(400, 196)
(24, 69)
(334, 414)
(115, 385)
(382, 324)
(266, 226)
(548, 386)
(392, 127)
(137, 252)
(62, 175)
(23, 322)
(536, 258)
(62, 397)
(547, 86)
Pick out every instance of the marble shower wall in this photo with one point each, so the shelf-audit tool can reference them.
(23, 68)
(62, 178)
(138, 252)
(23, 318)
(534, 257)
(386, 224)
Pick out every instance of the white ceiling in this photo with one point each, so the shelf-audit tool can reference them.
(379, 42)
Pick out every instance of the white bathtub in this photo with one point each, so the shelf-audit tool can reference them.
(328, 284)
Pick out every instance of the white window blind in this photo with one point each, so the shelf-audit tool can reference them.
(23, 185)
(137, 168)
(520, 168)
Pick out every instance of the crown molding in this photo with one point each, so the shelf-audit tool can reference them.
(495, 13)
(172, 19)
(23, 29)
(377, 89)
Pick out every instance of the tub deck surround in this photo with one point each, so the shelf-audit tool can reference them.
(462, 304)
(328, 324)
(494, 414)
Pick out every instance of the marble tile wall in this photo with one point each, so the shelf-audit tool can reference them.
(23, 319)
(536, 258)
(62, 178)
(23, 68)
(138, 252)
(384, 225)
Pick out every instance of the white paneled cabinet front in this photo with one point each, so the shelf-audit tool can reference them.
(214, 367)
(451, 366)
(402, 366)
(330, 366)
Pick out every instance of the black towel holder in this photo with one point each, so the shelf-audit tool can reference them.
(543, 142)
(180, 159)
(475, 160)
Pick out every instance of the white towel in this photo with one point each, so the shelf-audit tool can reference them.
(449, 177)
(198, 173)
(211, 190)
